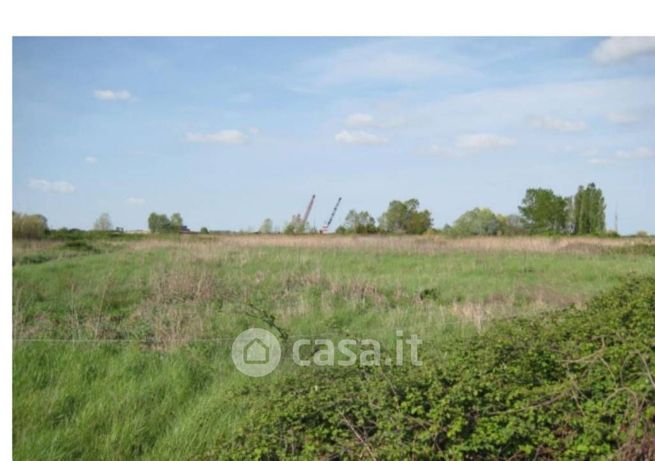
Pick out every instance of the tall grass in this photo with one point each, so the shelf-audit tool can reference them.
(124, 352)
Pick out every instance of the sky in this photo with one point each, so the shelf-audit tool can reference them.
(231, 131)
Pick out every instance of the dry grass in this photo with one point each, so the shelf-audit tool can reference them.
(383, 243)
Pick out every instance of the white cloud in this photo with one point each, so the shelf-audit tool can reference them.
(220, 137)
(112, 95)
(91, 160)
(546, 122)
(621, 48)
(389, 60)
(638, 153)
(359, 120)
(479, 141)
(358, 137)
(622, 118)
(135, 201)
(59, 187)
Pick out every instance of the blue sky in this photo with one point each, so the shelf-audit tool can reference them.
(230, 131)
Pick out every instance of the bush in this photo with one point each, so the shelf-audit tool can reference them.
(576, 384)
(28, 226)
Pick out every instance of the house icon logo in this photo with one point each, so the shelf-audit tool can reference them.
(256, 352)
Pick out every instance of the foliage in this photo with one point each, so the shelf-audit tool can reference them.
(404, 217)
(150, 374)
(588, 210)
(359, 222)
(569, 385)
(296, 225)
(544, 211)
(160, 223)
(177, 223)
(512, 224)
(29, 226)
(266, 227)
(204, 230)
(478, 221)
(103, 223)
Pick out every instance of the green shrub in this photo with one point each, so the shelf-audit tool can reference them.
(577, 384)
(28, 226)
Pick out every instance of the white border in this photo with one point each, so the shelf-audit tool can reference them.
(272, 17)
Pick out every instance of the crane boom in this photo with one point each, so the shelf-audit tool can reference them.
(329, 221)
(308, 210)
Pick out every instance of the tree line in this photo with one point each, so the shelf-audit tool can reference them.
(540, 212)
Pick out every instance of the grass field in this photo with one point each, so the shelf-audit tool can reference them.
(122, 348)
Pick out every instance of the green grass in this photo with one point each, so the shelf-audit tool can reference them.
(148, 373)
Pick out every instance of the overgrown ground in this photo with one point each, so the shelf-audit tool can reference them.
(121, 348)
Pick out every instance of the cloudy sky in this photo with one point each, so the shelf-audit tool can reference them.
(229, 131)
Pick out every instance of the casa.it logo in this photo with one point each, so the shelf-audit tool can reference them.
(256, 352)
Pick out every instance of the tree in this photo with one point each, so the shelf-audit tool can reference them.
(478, 221)
(295, 226)
(511, 224)
(176, 222)
(103, 223)
(29, 226)
(404, 217)
(158, 223)
(544, 211)
(588, 210)
(266, 227)
(204, 230)
(359, 223)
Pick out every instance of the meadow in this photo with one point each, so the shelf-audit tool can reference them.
(122, 347)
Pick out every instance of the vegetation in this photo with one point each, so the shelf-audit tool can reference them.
(149, 374)
(358, 222)
(588, 211)
(569, 385)
(479, 221)
(296, 226)
(404, 217)
(160, 223)
(28, 226)
(544, 211)
(266, 227)
(103, 223)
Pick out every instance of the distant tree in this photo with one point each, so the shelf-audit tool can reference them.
(158, 223)
(203, 230)
(404, 217)
(103, 223)
(478, 221)
(176, 222)
(267, 226)
(29, 226)
(359, 223)
(544, 211)
(588, 210)
(511, 224)
(295, 226)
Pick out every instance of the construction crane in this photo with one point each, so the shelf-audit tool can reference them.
(325, 228)
(307, 211)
